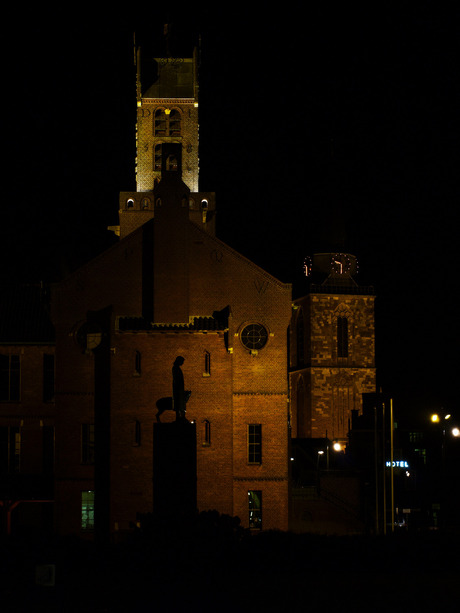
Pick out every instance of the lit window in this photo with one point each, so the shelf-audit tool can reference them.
(342, 337)
(255, 509)
(255, 443)
(87, 510)
(10, 377)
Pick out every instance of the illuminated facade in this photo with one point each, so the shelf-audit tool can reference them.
(332, 349)
(170, 288)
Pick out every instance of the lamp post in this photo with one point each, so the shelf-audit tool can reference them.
(442, 420)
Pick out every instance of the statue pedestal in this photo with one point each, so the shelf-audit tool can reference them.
(174, 469)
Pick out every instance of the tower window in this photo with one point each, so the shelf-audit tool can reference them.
(174, 123)
(255, 443)
(159, 124)
(171, 163)
(157, 157)
(342, 337)
(300, 339)
(10, 449)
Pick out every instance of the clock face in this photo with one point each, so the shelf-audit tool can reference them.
(254, 336)
(341, 263)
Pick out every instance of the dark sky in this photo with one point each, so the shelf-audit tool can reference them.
(317, 131)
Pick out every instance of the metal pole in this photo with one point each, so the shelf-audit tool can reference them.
(383, 472)
(392, 468)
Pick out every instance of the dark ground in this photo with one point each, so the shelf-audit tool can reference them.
(213, 565)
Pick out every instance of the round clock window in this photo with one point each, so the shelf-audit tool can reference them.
(254, 336)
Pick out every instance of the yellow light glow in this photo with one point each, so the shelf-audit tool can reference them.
(337, 447)
(435, 418)
(455, 431)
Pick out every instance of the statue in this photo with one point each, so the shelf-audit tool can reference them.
(180, 396)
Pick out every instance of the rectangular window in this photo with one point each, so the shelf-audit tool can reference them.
(87, 443)
(255, 509)
(206, 433)
(342, 337)
(255, 443)
(87, 510)
(207, 364)
(10, 449)
(10, 377)
(48, 377)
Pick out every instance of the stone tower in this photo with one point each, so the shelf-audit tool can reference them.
(167, 120)
(332, 348)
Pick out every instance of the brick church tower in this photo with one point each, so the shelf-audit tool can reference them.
(332, 348)
(170, 288)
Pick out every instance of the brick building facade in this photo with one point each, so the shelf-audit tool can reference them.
(170, 288)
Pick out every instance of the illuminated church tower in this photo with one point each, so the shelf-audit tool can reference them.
(167, 118)
(332, 348)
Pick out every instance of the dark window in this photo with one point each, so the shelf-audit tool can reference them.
(48, 377)
(207, 364)
(87, 443)
(137, 363)
(255, 443)
(10, 378)
(206, 433)
(300, 339)
(342, 337)
(157, 158)
(137, 433)
(10, 449)
(255, 509)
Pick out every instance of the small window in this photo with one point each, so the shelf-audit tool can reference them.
(87, 510)
(207, 364)
(87, 443)
(206, 433)
(342, 337)
(137, 434)
(255, 509)
(137, 363)
(254, 443)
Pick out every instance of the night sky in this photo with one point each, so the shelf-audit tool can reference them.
(318, 131)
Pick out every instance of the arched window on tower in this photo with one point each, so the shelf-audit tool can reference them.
(157, 157)
(342, 337)
(300, 338)
(159, 123)
(171, 163)
(174, 123)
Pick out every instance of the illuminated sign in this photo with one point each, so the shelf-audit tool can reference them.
(397, 464)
